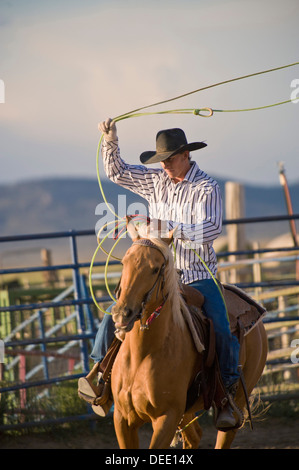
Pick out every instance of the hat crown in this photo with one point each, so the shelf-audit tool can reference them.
(170, 140)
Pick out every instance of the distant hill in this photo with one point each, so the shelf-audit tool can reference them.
(62, 204)
(54, 205)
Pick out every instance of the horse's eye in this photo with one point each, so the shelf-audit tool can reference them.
(155, 270)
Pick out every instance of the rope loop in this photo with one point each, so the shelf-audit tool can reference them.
(197, 112)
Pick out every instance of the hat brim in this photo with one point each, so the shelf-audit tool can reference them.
(153, 157)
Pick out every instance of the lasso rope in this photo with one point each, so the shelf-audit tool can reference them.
(202, 112)
(208, 87)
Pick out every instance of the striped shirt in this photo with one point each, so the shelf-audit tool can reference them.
(193, 206)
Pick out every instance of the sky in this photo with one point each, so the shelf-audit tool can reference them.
(66, 65)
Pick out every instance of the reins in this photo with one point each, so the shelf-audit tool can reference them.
(153, 316)
(159, 283)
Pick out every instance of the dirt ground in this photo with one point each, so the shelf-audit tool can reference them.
(272, 433)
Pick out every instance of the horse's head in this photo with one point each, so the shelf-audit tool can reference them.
(141, 284)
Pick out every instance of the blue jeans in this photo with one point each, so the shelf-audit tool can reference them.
(104, 337)
(227, 345)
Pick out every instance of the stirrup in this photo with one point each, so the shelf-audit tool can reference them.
(102, 404)
(102, 410)
(97, 397)
(232, 410)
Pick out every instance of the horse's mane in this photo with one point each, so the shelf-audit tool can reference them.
(172, 282)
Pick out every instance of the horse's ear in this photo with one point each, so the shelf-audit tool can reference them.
(128, 219)
(133, 232)
(168, 240)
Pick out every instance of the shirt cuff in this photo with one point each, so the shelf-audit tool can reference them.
(114, 141)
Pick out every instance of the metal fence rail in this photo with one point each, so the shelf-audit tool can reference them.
(86, 325)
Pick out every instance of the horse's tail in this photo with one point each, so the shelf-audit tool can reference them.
(258, 408)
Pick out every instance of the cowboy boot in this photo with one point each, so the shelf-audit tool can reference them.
(226, 417)
(86, 386)
(98, 395)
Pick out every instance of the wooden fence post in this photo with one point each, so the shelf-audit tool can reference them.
(257, 270)
(22, 378)
(50, 277)
(285, 339)
(234, 208)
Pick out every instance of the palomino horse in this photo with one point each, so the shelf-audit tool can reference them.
(158, 360)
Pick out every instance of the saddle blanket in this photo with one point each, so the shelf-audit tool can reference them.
(242, 309)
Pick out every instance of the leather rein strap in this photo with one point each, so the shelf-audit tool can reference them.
(156, 313)
(149, 243)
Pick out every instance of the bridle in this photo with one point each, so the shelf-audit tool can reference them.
(160, 282)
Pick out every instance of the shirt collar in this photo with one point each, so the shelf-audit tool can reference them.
(190, 175)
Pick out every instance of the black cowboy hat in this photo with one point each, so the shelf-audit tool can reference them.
(168, 143)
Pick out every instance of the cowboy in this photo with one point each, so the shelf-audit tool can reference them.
(180, 195)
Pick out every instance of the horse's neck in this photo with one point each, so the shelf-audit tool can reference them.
(157, 333)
